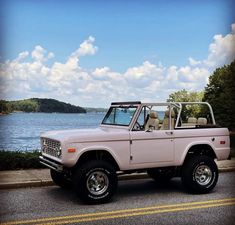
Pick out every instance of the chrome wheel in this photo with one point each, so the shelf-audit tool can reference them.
(203, 175)
(97, 183)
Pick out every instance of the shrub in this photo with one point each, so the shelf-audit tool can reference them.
(14, 160)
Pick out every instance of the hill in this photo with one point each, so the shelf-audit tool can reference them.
(39, 105)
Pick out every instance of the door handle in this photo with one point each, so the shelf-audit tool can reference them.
(169, 132)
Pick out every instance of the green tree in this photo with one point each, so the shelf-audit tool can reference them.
(3, 106)
(187, 96)
(220, 93)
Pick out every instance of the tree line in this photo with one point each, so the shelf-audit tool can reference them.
(39, 105)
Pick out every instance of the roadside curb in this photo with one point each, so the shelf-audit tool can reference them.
(26, 184)
(227, 169)
(45, 183)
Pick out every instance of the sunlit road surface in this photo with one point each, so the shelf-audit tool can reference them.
(137, 202)
(89, 217)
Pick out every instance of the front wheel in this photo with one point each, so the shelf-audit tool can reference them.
(95, 181)
(199, 174)
(60, 179)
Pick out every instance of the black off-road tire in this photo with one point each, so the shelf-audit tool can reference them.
(199, 174)
(161, 175)
(60, 179)
(95, 181)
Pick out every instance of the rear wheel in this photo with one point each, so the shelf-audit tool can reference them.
(199, 174)
(60, 179)
(95, 181)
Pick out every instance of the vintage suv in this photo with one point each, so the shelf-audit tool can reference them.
(165, 139)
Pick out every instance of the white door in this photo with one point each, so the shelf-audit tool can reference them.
(154, 146)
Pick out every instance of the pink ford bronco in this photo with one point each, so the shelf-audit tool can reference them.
(175, 139)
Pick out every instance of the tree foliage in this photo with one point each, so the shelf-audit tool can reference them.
(39, 105)
(27, 105)
(3, 106)
(52, 105)
(186, 96)
(220, 93)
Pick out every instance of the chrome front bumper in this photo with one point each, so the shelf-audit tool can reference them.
(51, 164)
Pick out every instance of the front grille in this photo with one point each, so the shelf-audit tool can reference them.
(51, 147)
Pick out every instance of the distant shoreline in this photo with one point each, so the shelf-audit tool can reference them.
(39, 105)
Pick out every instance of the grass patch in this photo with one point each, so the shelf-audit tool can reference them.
(15, 160)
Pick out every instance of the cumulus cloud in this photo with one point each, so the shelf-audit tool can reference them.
(193, 62)
(86, 48)
(40, 54)
(27, 76)
(221, 50)
(22, 55)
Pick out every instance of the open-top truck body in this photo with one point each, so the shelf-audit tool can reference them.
(165, 139)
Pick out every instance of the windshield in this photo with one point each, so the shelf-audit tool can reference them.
(120, 116)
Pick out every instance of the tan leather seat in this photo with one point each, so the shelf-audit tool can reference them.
(201, 121)
(165, 124)
(192, 121)
(153, 121)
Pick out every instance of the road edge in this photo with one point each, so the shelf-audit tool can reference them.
(45, 183)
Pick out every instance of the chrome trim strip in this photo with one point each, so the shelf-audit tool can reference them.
(50, 164)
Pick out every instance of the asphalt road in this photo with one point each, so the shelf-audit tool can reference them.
(137, 202)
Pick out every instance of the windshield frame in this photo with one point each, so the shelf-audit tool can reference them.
(134, 107)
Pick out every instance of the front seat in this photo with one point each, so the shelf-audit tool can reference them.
(153, 121)
(165, 124)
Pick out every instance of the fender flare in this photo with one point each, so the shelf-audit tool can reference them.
(99, 148)
(191, 145)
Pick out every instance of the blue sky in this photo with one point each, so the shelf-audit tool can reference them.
(125, 34)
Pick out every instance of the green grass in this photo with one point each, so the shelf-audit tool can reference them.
(14, 160)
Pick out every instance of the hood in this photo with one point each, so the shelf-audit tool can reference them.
(87, 135)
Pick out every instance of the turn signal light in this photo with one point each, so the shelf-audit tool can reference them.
(71, 150)
(222, 142)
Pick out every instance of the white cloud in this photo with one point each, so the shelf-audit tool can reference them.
(145, 70)
(39, 54)
(51, 55)
(86, 48)
(68, 81)
(142, 76)
(221, 50)
(22, 55)
(193, 62)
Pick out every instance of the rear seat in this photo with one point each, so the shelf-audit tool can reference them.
(192, 121)
(201, 121)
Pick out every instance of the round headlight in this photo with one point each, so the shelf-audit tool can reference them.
(44, 141)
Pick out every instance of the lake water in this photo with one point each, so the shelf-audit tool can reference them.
(21, 131)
